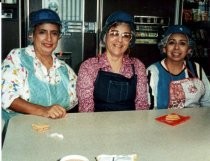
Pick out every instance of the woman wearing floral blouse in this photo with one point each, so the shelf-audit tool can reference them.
(34, 81)
(113, 81)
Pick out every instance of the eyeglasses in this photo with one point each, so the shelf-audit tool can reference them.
(126, 36)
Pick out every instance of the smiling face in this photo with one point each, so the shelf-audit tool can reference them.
(45, 38)
(177, 47)
(117, 39)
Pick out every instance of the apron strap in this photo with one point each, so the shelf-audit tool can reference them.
(191, 69)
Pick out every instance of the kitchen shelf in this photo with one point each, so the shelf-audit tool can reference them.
(149, 28)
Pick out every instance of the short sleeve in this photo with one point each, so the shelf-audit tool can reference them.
(13, 78)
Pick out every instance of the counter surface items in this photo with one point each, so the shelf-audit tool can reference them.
(112, 133)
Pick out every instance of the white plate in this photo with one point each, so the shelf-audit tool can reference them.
(74, 158)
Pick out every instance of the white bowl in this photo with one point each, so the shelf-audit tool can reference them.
(74, 158)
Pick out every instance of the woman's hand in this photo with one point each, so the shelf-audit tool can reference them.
(22, 106)
(54, 112)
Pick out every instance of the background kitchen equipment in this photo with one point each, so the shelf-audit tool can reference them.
(83, 21)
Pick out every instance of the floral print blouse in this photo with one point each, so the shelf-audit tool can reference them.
(14, 77)
(88, 72)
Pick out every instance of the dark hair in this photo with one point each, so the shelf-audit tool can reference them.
(59, 26)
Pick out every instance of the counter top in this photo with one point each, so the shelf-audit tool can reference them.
(92, 134)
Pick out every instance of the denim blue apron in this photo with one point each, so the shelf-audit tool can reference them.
(43, 93)
(114, 92)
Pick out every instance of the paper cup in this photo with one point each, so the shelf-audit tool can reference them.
(74, 158)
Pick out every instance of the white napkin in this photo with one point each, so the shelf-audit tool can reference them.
(104, 157)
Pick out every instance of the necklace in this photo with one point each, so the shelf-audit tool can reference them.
(46, 61)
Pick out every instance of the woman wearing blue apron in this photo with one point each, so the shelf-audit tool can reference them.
(177, 78)
(34, 81)
(113, 81)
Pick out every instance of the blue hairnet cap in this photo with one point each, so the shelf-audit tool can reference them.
(44, 16)
(177, 29)
(115, 17)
